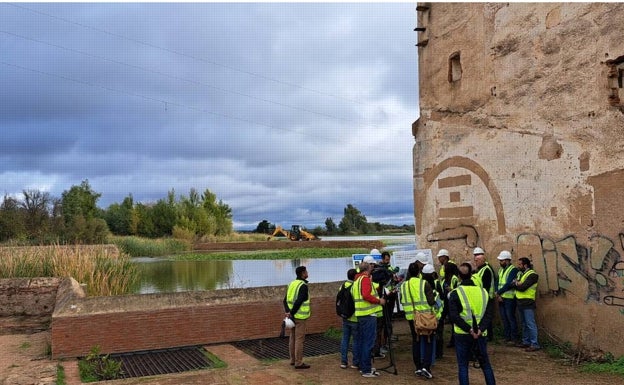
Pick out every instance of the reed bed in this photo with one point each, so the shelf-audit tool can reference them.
(147, 247)
(102, 268)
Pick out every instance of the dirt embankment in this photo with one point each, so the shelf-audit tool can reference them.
(279, 245)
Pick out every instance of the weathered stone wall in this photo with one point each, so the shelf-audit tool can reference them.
(520, 146)
(26, 304)
(156, 321)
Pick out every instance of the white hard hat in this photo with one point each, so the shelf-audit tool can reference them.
(288, 323)
(428, 269)
(369, 259)
(374, 251)
(421, 257)
(504, 255)
(443, 252)
(478, 250)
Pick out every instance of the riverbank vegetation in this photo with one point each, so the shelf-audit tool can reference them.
(299, 253)
(159, 247)
(37, 218)
(103, 269)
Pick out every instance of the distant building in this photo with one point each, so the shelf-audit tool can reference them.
(520, 146)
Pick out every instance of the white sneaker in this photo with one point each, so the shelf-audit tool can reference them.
(372, 374)
(418, 372)
(425, 373)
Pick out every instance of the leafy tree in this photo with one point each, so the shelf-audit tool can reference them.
(11, 220)
(81, 215)
(265, 227)
(330, 226)
(119, 217)
(144, 222)
(221, 213)
(80, 201)
(164, 217)
(318, 231)
(353, 221)
(36, 212)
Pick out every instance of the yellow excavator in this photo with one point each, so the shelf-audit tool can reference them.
(296, 233)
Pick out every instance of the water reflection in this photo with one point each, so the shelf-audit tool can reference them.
(159, 275)
(164, 276)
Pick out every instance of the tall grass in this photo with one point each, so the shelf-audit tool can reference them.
(102, 268)
(235, 237)
(147, 247)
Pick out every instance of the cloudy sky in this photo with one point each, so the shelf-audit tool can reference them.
(286, 111)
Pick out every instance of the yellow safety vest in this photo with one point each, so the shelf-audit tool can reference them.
(529, 293)
(363, 307)
(413, 297)
(474, 301)
(438, 310)
(378, 313)
(503, 276)
(476, 280)
(492, 292)
(291, 296)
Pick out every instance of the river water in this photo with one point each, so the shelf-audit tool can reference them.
(160, 275)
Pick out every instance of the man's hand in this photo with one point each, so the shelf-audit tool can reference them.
(475, 335)
(382, 301)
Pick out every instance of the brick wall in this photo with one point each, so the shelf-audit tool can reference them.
(155, 321)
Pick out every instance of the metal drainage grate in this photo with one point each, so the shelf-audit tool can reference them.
(164, 361)
(277, 348)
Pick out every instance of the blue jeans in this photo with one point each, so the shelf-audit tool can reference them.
(367, 332)
(463, 346)
(349, 329)
(529, 327)
(422, 348)
(507, 310)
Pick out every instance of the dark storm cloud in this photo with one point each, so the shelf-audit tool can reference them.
(288, 112)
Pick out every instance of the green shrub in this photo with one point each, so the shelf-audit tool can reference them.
(60, 375)
(97, 367)
(333, 333)
(610, 365)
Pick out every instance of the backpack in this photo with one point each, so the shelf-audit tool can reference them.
(345, 306)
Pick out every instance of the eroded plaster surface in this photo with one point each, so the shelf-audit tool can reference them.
(523, 149)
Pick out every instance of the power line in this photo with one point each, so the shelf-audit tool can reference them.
(191, 81)
(185, 54)
(161, 101)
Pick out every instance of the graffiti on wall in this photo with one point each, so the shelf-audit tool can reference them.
(589, 272)
(592, 272)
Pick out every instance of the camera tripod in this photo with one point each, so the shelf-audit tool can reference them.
(391, 367)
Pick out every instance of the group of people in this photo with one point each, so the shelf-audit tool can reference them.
(463, 295)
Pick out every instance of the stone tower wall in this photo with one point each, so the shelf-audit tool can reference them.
(520, 146)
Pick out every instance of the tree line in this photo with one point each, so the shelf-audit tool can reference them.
(353, 222)
(39, 218)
